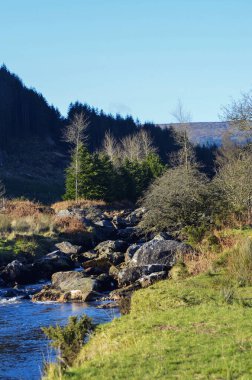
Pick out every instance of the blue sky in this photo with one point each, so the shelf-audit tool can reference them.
(131, 56)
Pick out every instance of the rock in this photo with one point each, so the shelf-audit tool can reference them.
(128, 233)
(157, 251)
(131, 251)
(101, 263)
(90, 255)
(131, 275)
(17, 272)
(68, 248)
(162, 236)
(104, 230)
(105, 224)
(114, 272)
(109, 246)
(69, 286)
(105, 283)
(151, 278)
(48, 294)
(115, 258)
(119, 222)
(71, 280)
(135, 217)
(53, 262)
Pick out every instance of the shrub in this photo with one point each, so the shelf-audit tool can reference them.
(69, 339)
(240, 263)
(177, 199)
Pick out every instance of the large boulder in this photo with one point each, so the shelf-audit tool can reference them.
(131, 275)
(158, 251)
(53, 262)
(100, 263)
(19, 273)
(69, 286)
(104, 230)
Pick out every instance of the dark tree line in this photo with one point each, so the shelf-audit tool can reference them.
(24, 113)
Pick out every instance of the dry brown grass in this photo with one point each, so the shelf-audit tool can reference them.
(199, 263)
(83, 203)
(24, 208)
(68, 225)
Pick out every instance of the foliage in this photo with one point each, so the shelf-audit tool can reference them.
(175, 200)
(233, 181)
(69, 339)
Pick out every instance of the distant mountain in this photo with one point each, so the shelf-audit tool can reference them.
(202, 132)
(208, 133)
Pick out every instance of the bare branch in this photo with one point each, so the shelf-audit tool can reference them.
(75, 132)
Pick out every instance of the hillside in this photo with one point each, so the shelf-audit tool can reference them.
(33, 157)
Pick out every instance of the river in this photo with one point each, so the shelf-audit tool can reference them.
(23, 346)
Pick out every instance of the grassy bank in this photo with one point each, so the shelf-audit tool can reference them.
(195, 328)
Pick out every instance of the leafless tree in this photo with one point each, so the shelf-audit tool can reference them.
(186, 155)
(75, 134)
(111, 147)
(234, 179)
(131, 148)
(138, 146)
(239, 112)
(146, 142)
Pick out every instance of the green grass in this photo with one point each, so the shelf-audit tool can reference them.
(176, 330)
(30, 247)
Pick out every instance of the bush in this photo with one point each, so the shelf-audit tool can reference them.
(240, 263)
(177, 199)
(69, 339)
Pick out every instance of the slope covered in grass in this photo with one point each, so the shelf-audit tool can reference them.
(196, 328)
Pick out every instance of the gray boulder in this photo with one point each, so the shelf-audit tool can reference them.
(53, 262)
(157, 251)
(131, 275)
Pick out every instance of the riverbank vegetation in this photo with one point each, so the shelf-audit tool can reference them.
(186, 328)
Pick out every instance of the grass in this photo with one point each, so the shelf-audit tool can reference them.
(184, 329)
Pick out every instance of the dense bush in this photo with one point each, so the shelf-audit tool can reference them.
(69, 339)
(177, 199)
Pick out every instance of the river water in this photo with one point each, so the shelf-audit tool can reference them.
(23, 346)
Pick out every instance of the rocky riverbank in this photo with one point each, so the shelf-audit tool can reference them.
(115, 260)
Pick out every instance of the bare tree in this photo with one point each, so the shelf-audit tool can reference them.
(75, 134)
(131, 148)
(239, 112)
(186, 155)
(146, 143)
(111, 147)
(234, 178)
(138, 146)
